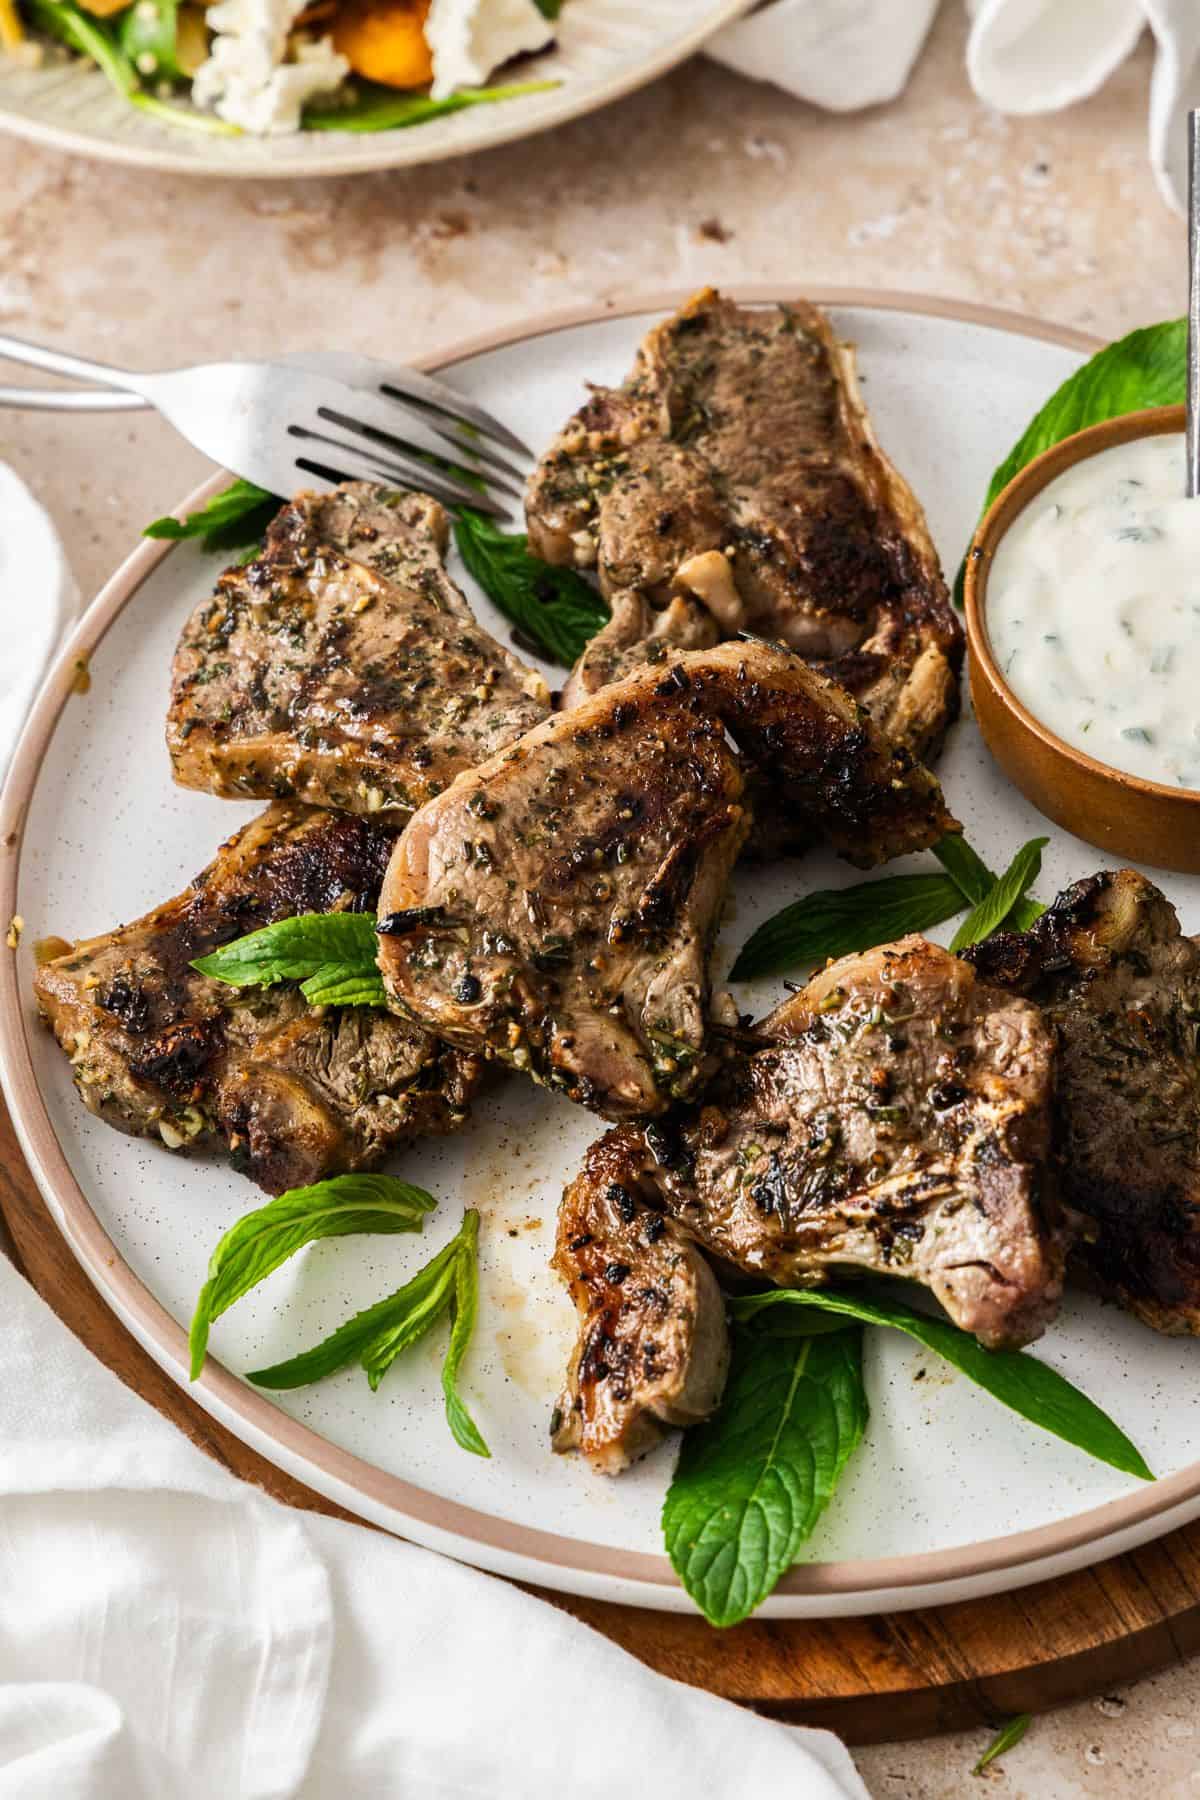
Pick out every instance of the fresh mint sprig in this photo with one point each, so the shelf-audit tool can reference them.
(331, 955)
(752, 1482)
(448, 1284)
(264, 1239)
(1018, 1380)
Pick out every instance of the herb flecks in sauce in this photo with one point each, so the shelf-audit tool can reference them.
(1094, 610)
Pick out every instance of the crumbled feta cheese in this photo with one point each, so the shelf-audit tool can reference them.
(469, 38)
(246, 78)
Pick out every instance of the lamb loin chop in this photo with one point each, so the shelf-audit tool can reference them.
(1120, 985)
(342, 666)
(893, 1117)
(737, 464)
(555, 907)
(653, 1350)
(295, 1092)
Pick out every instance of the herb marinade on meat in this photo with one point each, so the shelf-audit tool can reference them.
(1119, 984)
(342, 666)
(733, 483)
(294, 1092)
(577, 877)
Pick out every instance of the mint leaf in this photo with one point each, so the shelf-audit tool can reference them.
(1147, 368)
(412, 1309)
(976, 880)
(554, 608)
(378, 1335)
(1002, 896)
(836, 921)
(1013, 1377)
(1008, 1735)
(344, 984)
(464, 1308)
(753, 1480)
(232, 520)
(311, 947)
(264, 1239)
(372, 107)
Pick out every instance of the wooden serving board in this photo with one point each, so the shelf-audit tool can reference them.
(870, 1679)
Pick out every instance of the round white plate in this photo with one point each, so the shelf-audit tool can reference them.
(950, 1495)
(604, 49)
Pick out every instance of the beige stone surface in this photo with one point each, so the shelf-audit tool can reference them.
(702, 177)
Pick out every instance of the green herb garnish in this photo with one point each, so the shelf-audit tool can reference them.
(555, 608)
(234, 519)
(372, 107)
(837, 921)
(259, 1243)
(93, 38)
(976, 880)
(752, 1482)
(1015, 1378)
(996, 905)
(447, 1284)
(331, 955)
(1008, 1735)
(1147, 368)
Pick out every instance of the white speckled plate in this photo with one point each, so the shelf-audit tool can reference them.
(950, 1495)
(604, 49)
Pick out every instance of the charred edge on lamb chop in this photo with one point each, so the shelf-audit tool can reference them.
(1119, 984)
(737, 466)
(295, 1093)
(653, 1350)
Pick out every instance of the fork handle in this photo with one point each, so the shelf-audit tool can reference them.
(60, 362)
(35, 399)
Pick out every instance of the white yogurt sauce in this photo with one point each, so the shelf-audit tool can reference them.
(1093, 609)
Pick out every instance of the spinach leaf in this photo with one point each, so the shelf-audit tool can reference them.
(554, 608)
(262, 1240)
(1147, 368)
(150, 29)
(976, 880)
(836, 921)
(1008, 1735)
(233, 519)
(753, 1480)
(1013, 1377)
(373, 107)
(376, 1336)
(549, 9)
(323, 949)
(93, 38)
(996, 905)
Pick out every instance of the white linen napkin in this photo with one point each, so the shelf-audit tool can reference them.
(169, 1633)
(38, 599)
(1023, 56)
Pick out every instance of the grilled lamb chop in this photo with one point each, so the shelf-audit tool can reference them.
(555, 907)
(343, 666)
(295, 1092)
(653, 1350)
(737, 464)
(1120, 985)
(893, 1116)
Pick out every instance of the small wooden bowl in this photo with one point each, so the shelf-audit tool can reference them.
(1146, 821)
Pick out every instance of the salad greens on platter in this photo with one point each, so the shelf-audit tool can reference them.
(372, 74)
(751, 1483)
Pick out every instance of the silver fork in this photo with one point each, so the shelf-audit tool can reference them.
(312, 419)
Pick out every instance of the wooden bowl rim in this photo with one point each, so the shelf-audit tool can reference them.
(1010, 502)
